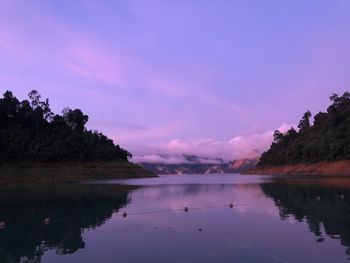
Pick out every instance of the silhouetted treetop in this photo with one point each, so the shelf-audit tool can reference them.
(305, 121)
(29, 130)
(327, 139)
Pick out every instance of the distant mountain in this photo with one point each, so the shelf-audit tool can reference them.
(192, 164)
(241, 165)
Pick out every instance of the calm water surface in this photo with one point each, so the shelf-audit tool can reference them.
(274, 219)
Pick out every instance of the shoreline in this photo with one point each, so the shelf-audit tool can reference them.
(63, 172)
(321, 168)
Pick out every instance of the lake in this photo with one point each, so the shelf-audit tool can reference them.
(187, 218)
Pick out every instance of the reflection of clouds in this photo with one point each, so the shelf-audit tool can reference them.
(249, 198)
(213, 179)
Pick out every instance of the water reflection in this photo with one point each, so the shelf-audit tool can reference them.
(324, 205)
(272, 218)
(71, 209)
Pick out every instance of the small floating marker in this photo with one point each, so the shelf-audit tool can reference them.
(318, 198)
(341, 196)
(47, 221)
(231, 205)
(125, 214)
(186, 209)
(200, 229)
(320, 240)
(2, 224)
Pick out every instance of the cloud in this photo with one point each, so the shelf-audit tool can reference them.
(151, 134)
(235, 148)
(175, 159)
(4, 44)
(118, 125)
(94, 60)
(154, 158)
(9, 44)
(92, 64)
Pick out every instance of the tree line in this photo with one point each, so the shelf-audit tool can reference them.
(326, 139)
(30, 131)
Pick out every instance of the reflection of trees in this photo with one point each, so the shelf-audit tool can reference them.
(328, 206)
(71, 209)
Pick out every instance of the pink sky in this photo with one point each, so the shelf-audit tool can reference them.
(205, 78)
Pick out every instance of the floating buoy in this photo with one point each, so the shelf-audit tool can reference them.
(320, 240)
(2, 224)
(186, 209)
(341, 196)
(47, 221)
(125, 214)
(231, 205)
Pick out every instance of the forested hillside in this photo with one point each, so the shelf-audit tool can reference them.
(30, 131)
(326, 139)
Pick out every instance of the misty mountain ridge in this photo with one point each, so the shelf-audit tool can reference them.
(192, 164)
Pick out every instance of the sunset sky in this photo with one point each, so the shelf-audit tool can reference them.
(212, 78)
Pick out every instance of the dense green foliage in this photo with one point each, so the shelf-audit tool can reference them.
(327, 139)
(30, 131)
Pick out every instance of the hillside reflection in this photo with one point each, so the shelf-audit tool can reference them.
(157, 227)
(323, 205)
(71, 209)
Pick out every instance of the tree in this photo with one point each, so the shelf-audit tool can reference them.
(75, 119)
(277, 136)
(328, 139)
(305, 121)
(333, 97)
(29, 130)
(43, 107)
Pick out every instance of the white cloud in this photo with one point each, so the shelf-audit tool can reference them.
(235, 148)
(173, 159)
(154, 158)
